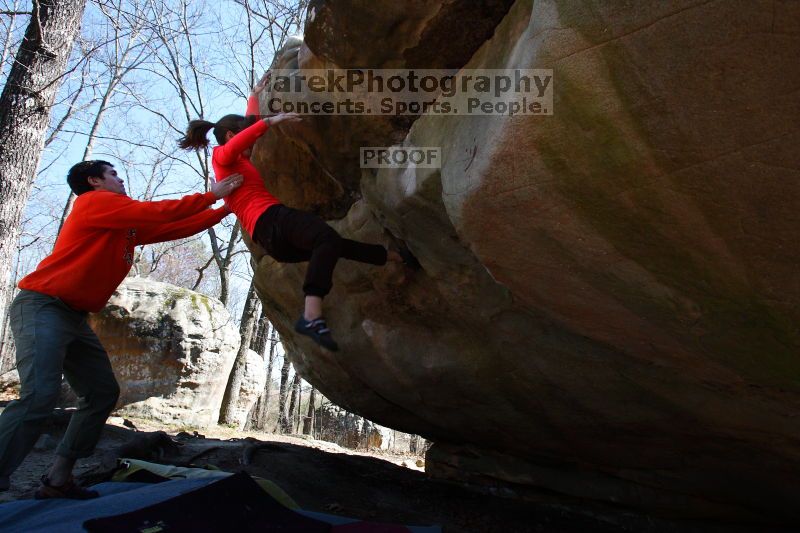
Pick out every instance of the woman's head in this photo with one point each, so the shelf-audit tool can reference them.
(224, 128)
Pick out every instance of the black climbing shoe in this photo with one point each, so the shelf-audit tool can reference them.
(399, 246)
(318, 331)
(408, 258)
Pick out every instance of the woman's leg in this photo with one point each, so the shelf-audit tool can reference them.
(308, 233)
(290, 235)
(374, 254)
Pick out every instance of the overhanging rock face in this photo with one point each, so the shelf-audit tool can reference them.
(610, 298)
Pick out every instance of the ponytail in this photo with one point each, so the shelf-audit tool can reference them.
(195, 137)
(197, 131)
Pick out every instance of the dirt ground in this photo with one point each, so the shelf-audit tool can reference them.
(376, 486)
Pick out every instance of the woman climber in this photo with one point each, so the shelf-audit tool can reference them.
(288, 235)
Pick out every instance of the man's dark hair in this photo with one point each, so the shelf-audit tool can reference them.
(78, 176)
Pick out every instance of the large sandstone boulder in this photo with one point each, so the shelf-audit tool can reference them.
(610, 297)
(172, 350)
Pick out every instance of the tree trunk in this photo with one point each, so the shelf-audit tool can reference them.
(258, 343)
(282, 394)
(260, 339)
(299, 407)
(364, 433)
(292, 403)
(228, 411)
(7, 351)
(413, 443)
(224, 257)
(25, 106)
(258, 419)
(308, 423)
(8, 359)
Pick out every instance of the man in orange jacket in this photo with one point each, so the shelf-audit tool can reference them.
(91, 257)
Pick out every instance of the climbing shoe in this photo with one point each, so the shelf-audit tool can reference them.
(399, 246)
(408, 258)
(318, 330)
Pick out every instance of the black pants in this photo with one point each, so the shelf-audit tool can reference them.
(292, 236)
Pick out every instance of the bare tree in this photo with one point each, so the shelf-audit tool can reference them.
(256, 31)
(308, 422)
(127, 50)
(293, 402)
(74, 101)
(266, 24)
(227, 414)
(260, 338)
(298, 408)
(25, 106)
(283, 423)
(8, 32)
(258, 416)
(7, 352)
(180, 49)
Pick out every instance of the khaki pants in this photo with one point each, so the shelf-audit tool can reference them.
(52, 339)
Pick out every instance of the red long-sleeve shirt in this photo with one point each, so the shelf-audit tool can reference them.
(252, 198)
(94, 251)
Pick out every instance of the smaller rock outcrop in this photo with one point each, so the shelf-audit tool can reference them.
(172, 350)
(9, 381)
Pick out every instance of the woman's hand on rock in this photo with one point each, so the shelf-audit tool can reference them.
(262, 83)
(283, 117)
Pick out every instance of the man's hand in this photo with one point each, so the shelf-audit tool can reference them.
(282, 117)
(223, 188)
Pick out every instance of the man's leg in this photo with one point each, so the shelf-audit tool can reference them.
(42, 329)
(89, 373)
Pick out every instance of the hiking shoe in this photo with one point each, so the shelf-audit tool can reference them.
(408, 258)
(318, 330)
(5, 483)
(399, 246)
(68, 490)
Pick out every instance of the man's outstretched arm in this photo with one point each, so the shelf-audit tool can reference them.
(181, 229)
(117, 211)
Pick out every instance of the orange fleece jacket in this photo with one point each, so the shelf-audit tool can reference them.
(94, 251)
(252, 198)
